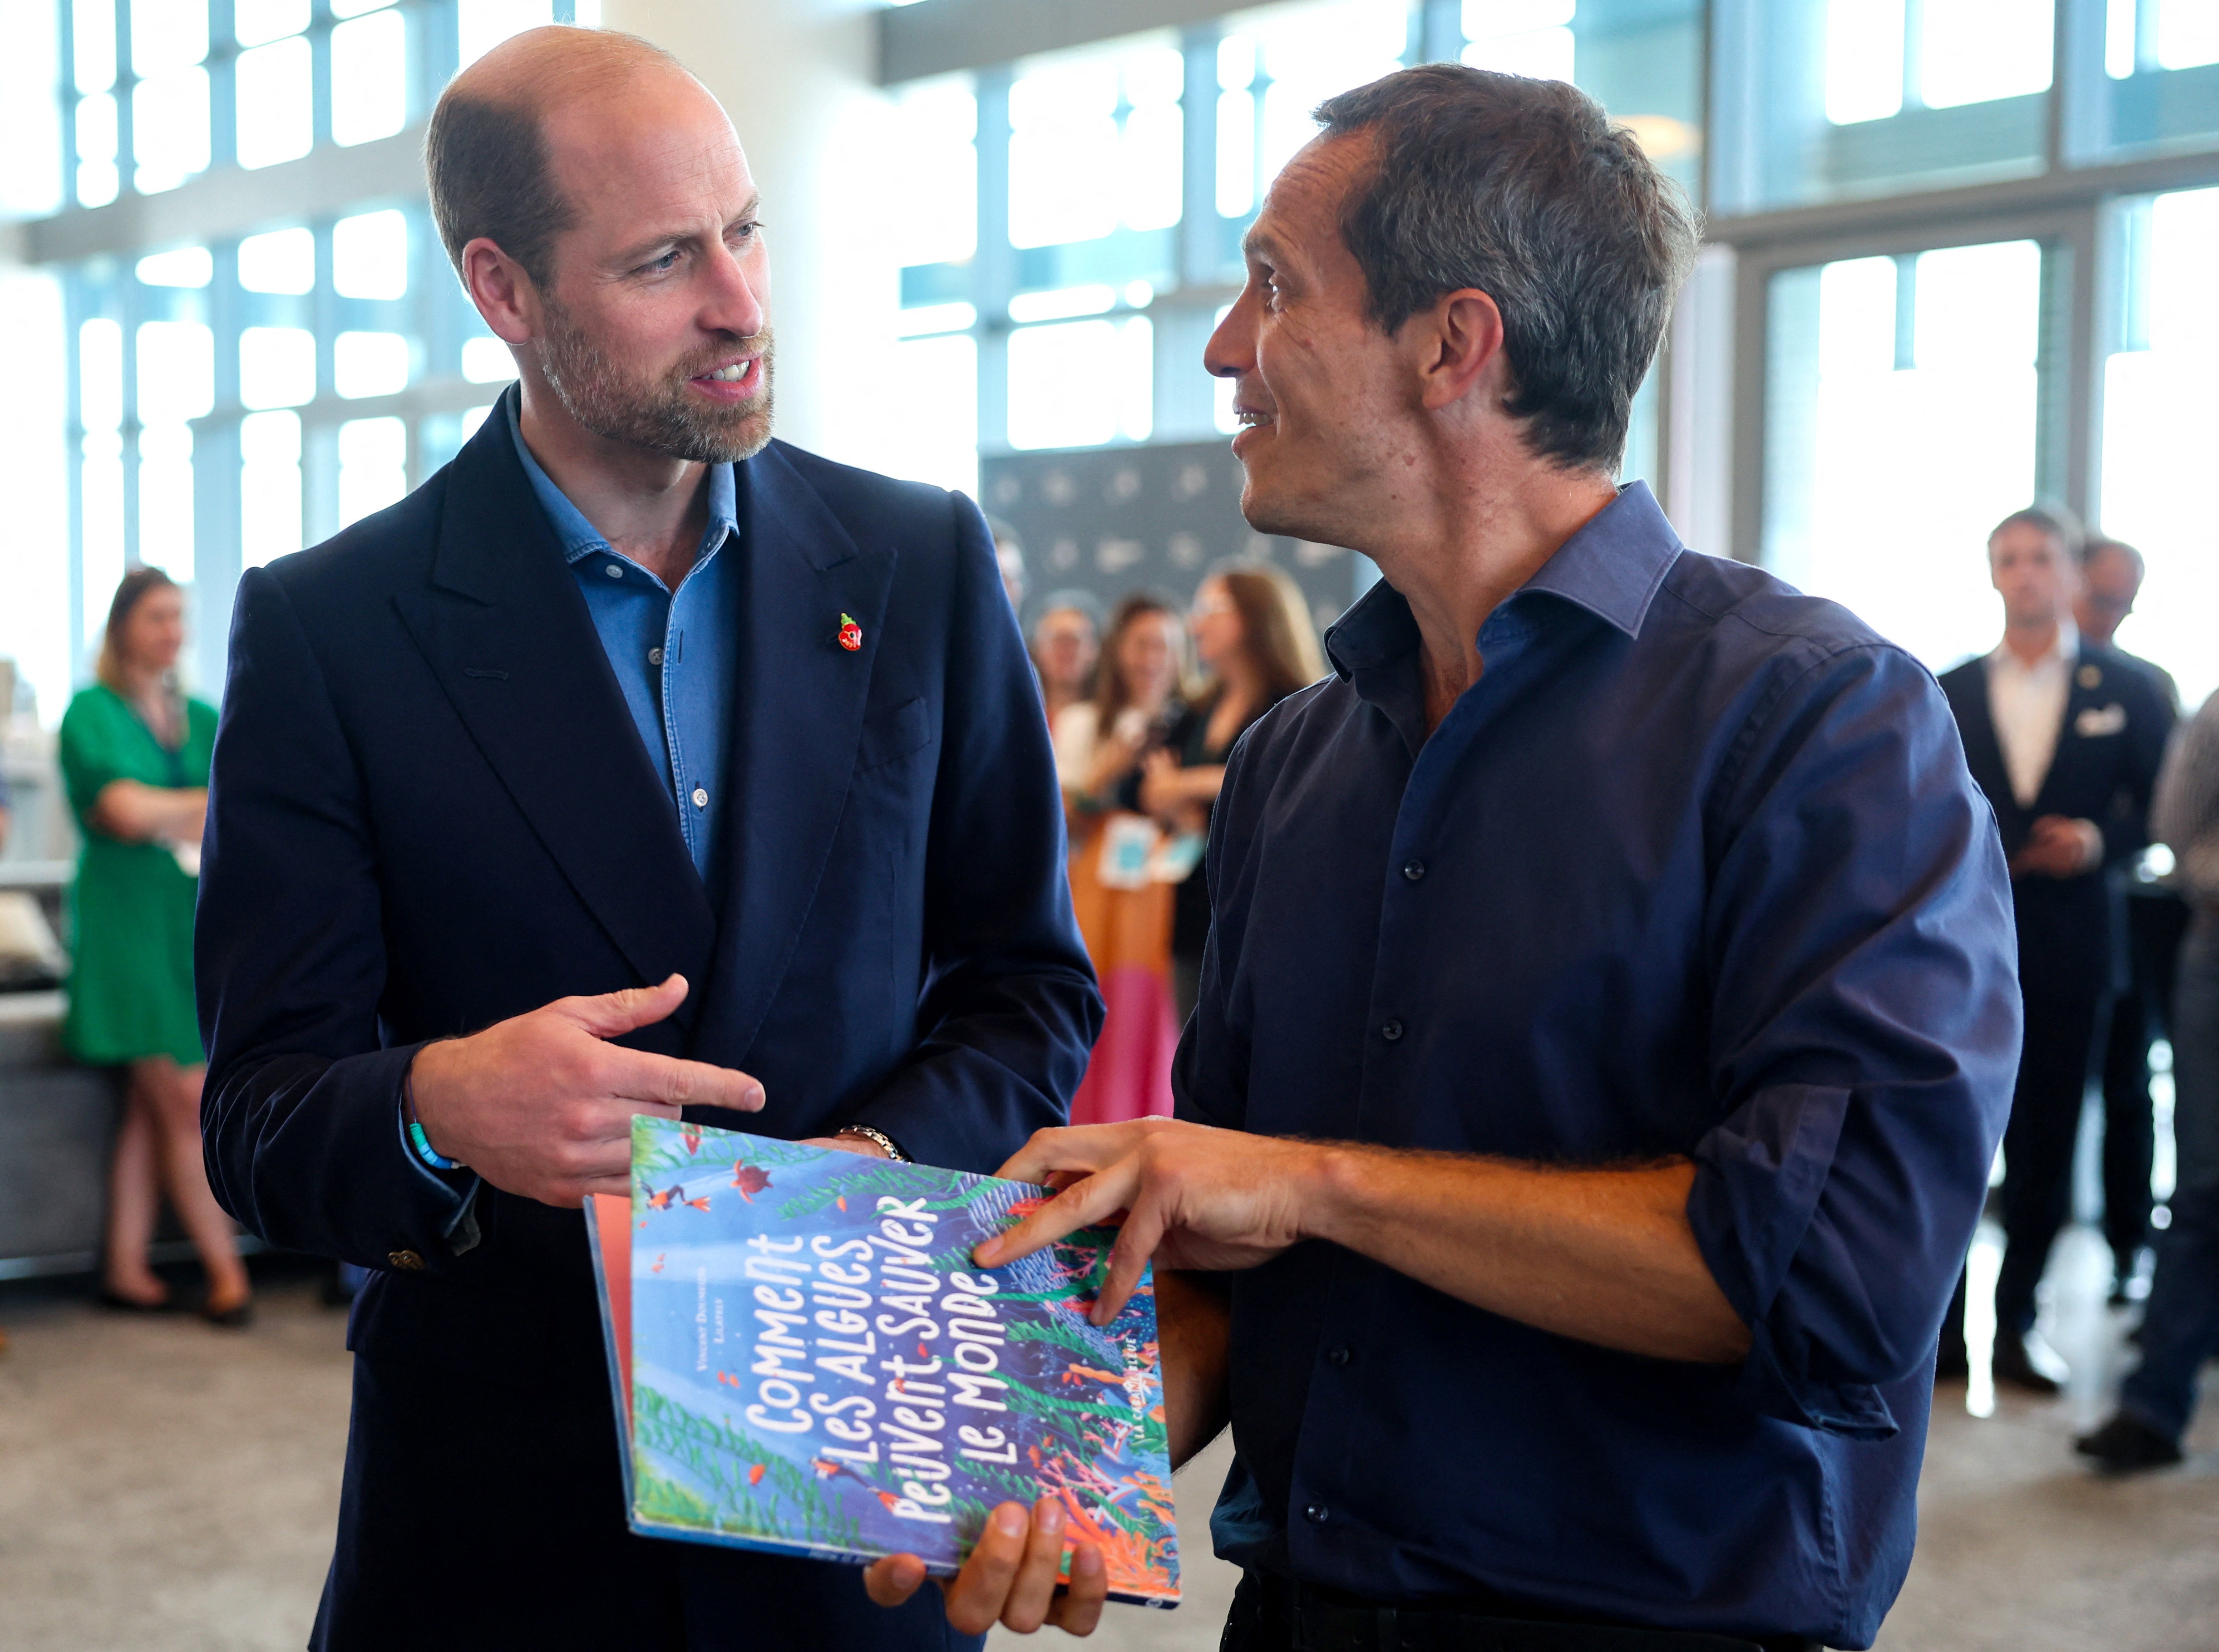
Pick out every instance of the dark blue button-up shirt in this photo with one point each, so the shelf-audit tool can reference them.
(671, 650)
(1694, 869)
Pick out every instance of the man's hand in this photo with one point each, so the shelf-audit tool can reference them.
(2057, 847)
(539, 1105)
(1213, 1200)
(1010, 1578)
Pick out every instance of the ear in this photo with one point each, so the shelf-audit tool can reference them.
(1458, 348)
(504, 294)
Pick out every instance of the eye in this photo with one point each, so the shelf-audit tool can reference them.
(667, 262)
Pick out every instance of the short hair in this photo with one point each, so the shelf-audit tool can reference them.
(487, 164)
(1525, 190)
(2056, 520)
(2098, 544)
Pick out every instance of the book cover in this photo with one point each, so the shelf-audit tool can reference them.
(805, 1360)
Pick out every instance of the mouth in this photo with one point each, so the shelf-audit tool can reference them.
(732, 380)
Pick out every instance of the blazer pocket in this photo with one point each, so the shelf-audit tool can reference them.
(888, 736)
(2097, 721)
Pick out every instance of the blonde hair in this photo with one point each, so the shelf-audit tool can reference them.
(129, 594)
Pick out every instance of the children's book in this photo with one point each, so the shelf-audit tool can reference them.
(805, 1359)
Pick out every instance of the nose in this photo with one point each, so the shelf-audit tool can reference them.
(1231, 351)
(739, 288)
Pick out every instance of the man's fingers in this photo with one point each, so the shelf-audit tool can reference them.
(891, 1580)
(1101, 1196)
(610, 1015)
(1078, 1608)
(1129, 1258)
(667, 1081)
(1033, 1591)
(1085, 1147)
(976, 1595)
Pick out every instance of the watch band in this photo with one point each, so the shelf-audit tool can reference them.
(871, 1133)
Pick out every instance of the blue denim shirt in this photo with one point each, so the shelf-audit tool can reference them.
(1695, 870)
(671, 651)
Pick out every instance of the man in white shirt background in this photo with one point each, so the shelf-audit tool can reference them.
(2065, 736)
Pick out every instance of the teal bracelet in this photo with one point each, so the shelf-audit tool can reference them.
(430, 1154)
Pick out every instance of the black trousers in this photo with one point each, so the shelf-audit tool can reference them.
(1272, 1614)
(2154, 924)
(2038, 1144)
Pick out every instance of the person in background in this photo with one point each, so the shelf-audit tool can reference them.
(2063, 736)
(1124, 911)
(1066, 648)
(134, 757)
(2152, 920)
(1253, 635)
(1009, 558)
(2180, 1326)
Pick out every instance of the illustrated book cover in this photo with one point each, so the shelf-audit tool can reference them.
(804, 1359)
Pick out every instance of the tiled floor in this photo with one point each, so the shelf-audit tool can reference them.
(164, 1488)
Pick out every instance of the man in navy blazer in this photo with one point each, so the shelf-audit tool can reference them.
(634, 762)
(2065, 737)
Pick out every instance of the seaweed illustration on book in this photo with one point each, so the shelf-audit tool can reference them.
(813, 1364)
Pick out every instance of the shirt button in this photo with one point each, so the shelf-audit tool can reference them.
(1316, 1514)
(1337, 1356)
(406, 1261)
(700, 798)
(1415, 871)
(1391, 1031)
(612, 570)
(654, 656)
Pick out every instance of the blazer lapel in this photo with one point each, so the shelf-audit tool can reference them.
(795, 730)
(1984, 753)
(506, 631)
(2081, 694)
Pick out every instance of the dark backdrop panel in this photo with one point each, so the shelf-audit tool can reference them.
(1116, 519)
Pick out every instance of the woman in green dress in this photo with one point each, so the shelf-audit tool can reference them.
(134, 754)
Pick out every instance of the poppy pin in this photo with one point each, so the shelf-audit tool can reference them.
(851, 634)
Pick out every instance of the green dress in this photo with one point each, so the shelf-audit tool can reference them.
(131, 981)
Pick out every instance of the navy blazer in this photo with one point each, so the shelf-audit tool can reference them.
(2117, 722)
(431, 811)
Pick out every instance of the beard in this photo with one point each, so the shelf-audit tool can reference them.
(649, 411)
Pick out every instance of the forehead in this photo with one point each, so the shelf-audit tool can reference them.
(1301, 215)
(2024, 539)
(649, 151)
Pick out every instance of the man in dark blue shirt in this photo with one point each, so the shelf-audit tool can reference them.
(1609, 1016)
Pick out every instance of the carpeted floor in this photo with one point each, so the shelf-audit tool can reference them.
(167, 1487)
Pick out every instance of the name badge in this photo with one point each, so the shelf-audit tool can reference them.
(2099, 720)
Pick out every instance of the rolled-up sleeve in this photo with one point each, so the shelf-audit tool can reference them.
(1865, 1030)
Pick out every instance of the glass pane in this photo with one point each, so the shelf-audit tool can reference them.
(92, 44)
(1866, 97)
(269, 486)
(35, 464)
(370, 364)
(98, 180)
(369, 78)
(30, 116)
(256, 22)
(1873, 366)
(100, 375)
(356, 8)
(169, 129)
(373, 466)
(1149, 167)
(276, 367)
(167, 34)
(936, 164)
(183, 266)
(1236, 154)
(369, 256)
(1311, 54)
(481, 25)
(932, 432)
(1063, 154)
(176, 371)
(275, 103)
(99, 519)
(487, 361)
(1522, 37)
(2158, 434)
(282, 261)
(165, 500)
(2162, 85)
(1066, 385)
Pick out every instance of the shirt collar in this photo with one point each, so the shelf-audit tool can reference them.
(2063, 651)
(1612, 568)
(581, 538)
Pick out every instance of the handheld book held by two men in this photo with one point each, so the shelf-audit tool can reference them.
(805, 1360)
